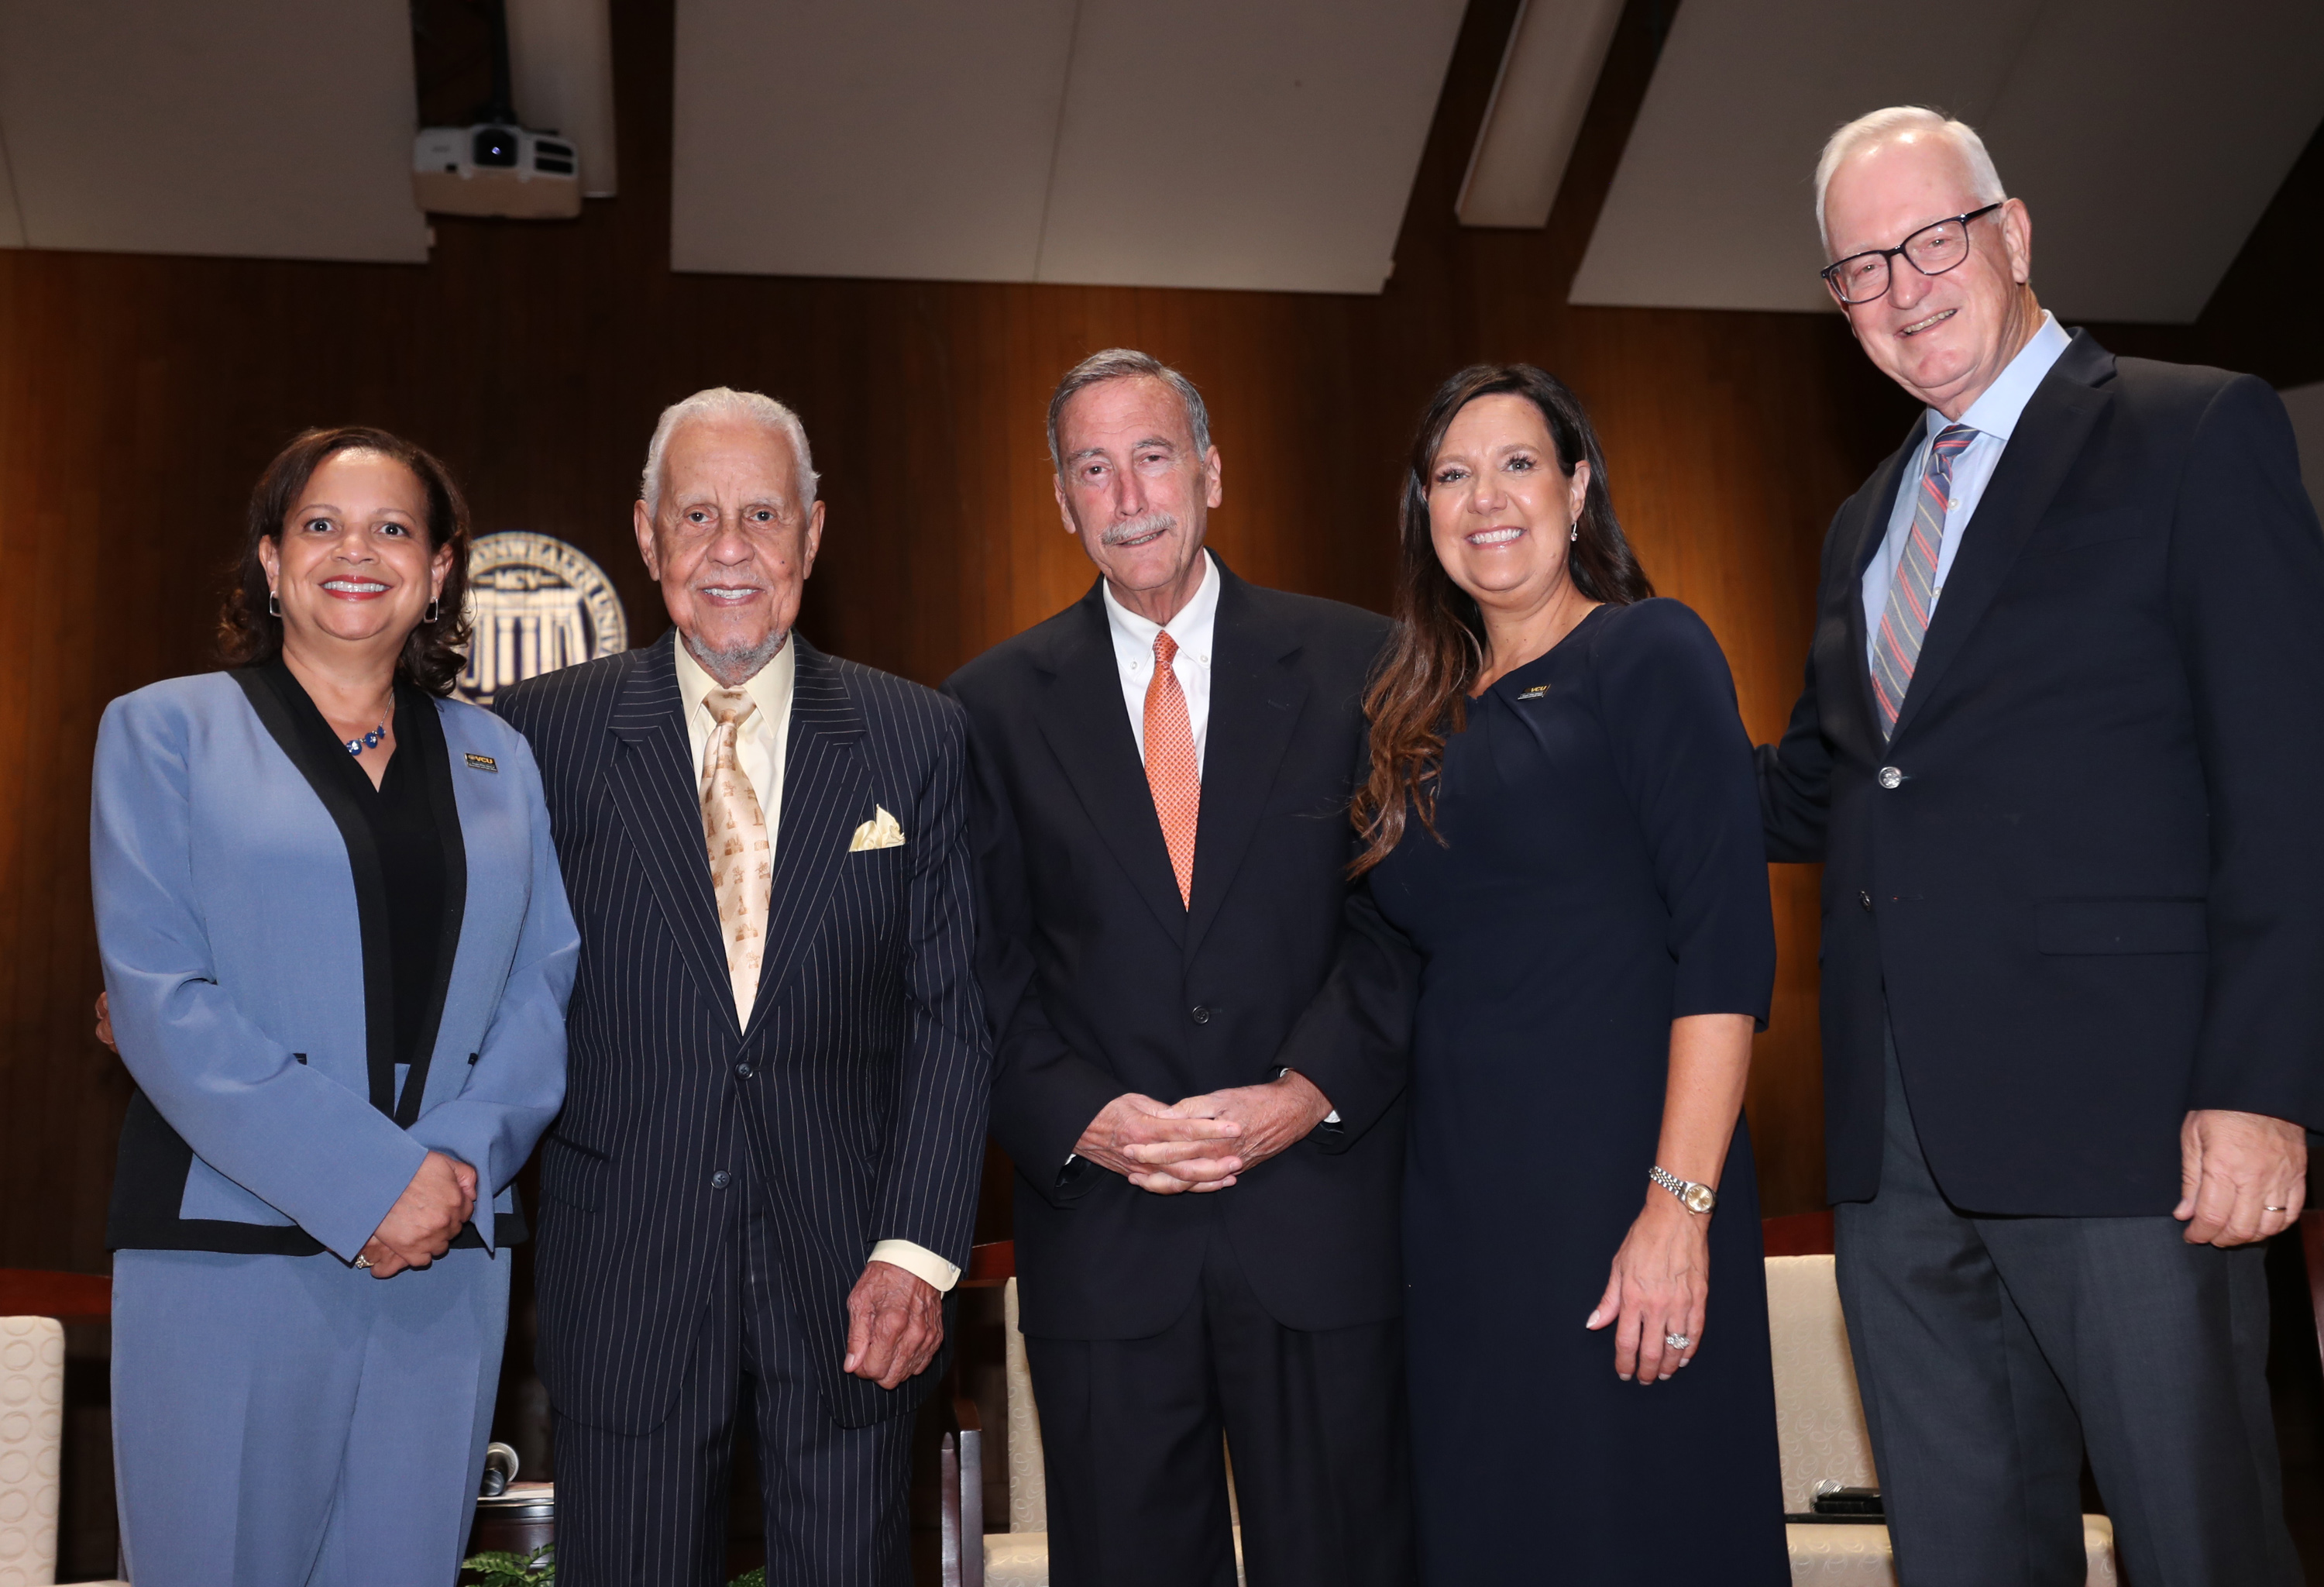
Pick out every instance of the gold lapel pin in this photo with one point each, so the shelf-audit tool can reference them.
(1534, 693)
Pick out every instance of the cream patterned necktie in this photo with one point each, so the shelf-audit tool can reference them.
(742, 860)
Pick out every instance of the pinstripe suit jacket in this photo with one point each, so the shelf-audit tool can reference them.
(858, 1087)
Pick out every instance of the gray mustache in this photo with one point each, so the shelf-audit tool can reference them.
(1139, 528)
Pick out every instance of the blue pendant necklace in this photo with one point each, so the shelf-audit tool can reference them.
(369, 741)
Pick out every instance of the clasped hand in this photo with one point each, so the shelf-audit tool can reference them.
(426, 1218)
(1202, 1143)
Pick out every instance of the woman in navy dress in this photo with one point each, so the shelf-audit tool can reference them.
(1562, 817)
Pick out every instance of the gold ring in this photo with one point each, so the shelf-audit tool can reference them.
(362, 1261)
(2275, 1209)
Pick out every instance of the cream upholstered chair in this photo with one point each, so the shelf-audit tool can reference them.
(32, 1447)
(1819, 1428)
(1019, 1557)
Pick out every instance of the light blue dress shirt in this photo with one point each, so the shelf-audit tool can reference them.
(1994, 416)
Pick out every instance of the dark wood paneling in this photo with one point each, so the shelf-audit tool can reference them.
(140, 396)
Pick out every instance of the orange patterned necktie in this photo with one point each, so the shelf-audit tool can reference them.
(742, 862)
(1171, 771)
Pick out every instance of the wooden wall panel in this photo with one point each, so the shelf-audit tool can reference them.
(140, 396)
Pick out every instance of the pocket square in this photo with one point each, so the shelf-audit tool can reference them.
(879, 832)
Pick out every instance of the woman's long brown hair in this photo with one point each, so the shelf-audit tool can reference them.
(1419, 694)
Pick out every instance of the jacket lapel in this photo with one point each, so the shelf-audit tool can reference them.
(1087, 725)
(825, 799)
(2049, 437)
(1254, 705)
(651, 780)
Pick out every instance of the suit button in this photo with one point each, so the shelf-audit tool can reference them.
(721, 1180)
(1202, 1014)
(1865, 899)
(743, 1071)
(1890, 778)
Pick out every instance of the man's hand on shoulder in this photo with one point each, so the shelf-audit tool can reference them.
(895, 1323)
(1165, 1151)
(2242, 1177)
(1271, 1118)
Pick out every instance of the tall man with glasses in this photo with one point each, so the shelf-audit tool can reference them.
(2058, 755)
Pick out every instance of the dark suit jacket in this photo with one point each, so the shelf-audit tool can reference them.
(860, 1087)
(2095, 899)
(1101, 982)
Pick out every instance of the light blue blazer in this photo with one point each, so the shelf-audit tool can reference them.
(232, 898)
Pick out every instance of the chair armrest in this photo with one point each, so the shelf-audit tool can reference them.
(963, 1493)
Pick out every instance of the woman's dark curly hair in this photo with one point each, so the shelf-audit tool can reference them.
(435, 652)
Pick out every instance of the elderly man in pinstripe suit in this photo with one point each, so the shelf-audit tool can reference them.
(766, 1172)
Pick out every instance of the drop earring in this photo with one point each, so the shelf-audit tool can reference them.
(435, 610)
(1573, 530)
(273, 604)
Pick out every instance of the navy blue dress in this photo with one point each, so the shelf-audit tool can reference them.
(1600, 875)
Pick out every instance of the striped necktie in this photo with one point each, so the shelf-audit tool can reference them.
(1912, 595)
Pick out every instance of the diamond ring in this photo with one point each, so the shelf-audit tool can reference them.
(1677, 1341)
(362, 1261)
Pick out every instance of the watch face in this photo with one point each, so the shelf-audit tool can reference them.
(1699, 1198)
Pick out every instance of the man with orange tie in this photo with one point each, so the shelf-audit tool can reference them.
(1200, 1035)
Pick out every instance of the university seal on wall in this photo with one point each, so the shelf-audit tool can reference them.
(535, 604)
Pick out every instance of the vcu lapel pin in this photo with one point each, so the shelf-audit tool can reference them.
(484, 763)
(1534, 693)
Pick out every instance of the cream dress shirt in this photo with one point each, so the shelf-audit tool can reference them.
(759, 744)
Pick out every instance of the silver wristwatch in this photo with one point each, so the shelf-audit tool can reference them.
(1694, 1198)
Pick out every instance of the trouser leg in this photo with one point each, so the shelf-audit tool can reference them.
(650, 1507)
(422, 1416)
(835, 1497)
(1132, 1445)
(233, 1384)
(1316, 1428)
(1977, 1445)
(2163, 1347)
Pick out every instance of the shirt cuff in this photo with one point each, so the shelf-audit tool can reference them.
(919, 1261)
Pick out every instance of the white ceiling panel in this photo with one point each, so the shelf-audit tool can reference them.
(270, 128)
(2146, 136)
(1222, 144)
(1172, 143)
(910, 138)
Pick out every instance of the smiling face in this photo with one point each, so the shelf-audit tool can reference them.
(1136, 491)
(1944, 339)
(730, 542)
(1500, 509)
(351, 565)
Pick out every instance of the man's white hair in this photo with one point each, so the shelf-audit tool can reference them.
(726, 402)
(1984, 181)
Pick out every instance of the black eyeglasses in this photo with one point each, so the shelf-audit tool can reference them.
(1934, 249)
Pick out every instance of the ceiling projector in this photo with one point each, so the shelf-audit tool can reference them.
(495, 167)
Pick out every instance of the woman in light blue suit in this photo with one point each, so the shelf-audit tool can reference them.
(337, 958)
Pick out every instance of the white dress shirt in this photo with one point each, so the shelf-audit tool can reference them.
(1994, 416)
(1133, 652)
(759, 744)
